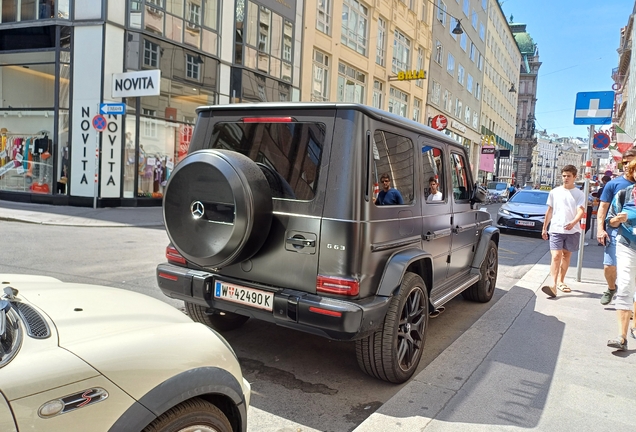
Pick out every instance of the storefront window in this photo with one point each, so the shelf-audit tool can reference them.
(28, 10)
(63, 10)
(129, 150)
(63, 160)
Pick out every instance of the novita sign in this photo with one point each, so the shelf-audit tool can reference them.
(133, 84)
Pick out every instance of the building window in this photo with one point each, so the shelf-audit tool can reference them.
(354, 26)
(475, 120)
(151, 54)
(351, 84)
(420, 66)
(378, 94)
(194, 13)
(469, 83)
(467, 116)
(466, 7)
(484, 4)
(323, 19)
(320, 90)
(463, 41)
(436, 93)
(474, 19)
(398, 102)
(448, 101)
(477, 91)
(417, 110)
(423, 9)
(150, 124)
(482, 31)
(379, 57)
(192, 67)
(401, 52)
(473, 52)
(450, 64)
(451, 27)
(439, 53)
(441, 12)
(458, 108)
(480, 61)
(460, 74)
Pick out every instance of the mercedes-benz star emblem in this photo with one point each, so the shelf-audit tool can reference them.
(197, 209)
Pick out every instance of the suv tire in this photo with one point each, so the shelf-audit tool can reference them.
(483, 290)
(217, 208)
(393, 352)
(193, 414)
(226, 322)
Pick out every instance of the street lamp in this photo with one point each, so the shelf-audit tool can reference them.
(540, 163)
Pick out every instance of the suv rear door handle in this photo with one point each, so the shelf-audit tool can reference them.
(437, 234)
(301, 242)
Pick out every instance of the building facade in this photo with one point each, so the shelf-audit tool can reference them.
(501, 81)
(60, 61)
(456, 69)
(624, 76)
(526, 103)
(374, 53)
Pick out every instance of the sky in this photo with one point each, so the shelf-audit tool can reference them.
(577, 41)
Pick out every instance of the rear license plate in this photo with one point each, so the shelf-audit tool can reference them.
(524, 223)
(247, 296)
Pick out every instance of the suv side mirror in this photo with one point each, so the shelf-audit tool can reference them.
(479, 194)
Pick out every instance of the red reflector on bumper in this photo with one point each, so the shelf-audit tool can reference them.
(168, 276)
(324, 311)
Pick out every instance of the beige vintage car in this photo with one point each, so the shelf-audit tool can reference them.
(84, 357)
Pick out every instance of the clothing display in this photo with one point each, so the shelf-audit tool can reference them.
(25, 162)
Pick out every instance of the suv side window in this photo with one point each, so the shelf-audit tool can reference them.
(393, 155)
(460, 177)
(433, 170)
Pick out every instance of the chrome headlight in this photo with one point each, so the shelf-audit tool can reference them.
(504, 211)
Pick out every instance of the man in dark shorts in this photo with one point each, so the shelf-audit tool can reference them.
(566, 207)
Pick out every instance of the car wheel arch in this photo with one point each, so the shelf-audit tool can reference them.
(210, 383)
(413, 260)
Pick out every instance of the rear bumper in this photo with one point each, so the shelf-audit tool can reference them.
(333, 318)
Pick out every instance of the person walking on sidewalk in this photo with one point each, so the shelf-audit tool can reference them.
(608, 237)
(622, 215)
(566, 207)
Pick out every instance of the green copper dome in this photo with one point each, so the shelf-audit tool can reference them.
(522, 37)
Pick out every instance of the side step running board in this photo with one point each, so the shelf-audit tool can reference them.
(451, 294)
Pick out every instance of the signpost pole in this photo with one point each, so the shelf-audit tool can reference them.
(586, 192)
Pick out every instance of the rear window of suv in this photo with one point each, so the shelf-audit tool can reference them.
(288, 153)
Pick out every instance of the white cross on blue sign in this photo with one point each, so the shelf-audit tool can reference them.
(593, 108)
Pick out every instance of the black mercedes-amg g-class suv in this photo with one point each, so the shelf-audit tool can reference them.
(273, 215)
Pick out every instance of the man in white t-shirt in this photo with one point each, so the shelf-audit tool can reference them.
(435, 194)
(566, 207)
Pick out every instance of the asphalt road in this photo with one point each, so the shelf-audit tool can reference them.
(300, 382)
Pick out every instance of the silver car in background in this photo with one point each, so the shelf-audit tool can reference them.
(525, 211)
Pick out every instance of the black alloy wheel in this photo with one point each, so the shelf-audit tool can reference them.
(393, 352)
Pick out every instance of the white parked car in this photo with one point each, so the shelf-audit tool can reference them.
(84, 357)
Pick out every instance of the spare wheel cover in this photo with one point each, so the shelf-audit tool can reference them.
(217, 208)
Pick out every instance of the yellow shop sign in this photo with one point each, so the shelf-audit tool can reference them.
(411, 75)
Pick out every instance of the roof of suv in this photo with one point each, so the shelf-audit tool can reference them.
(372, 112)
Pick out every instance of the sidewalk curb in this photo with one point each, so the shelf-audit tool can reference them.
(82, 223)
(428, 393)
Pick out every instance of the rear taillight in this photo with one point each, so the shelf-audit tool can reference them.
(173, 256)
(333, 285)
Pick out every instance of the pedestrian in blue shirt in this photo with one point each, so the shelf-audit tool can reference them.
(622, 216)
(608, 238)
(388, 195)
